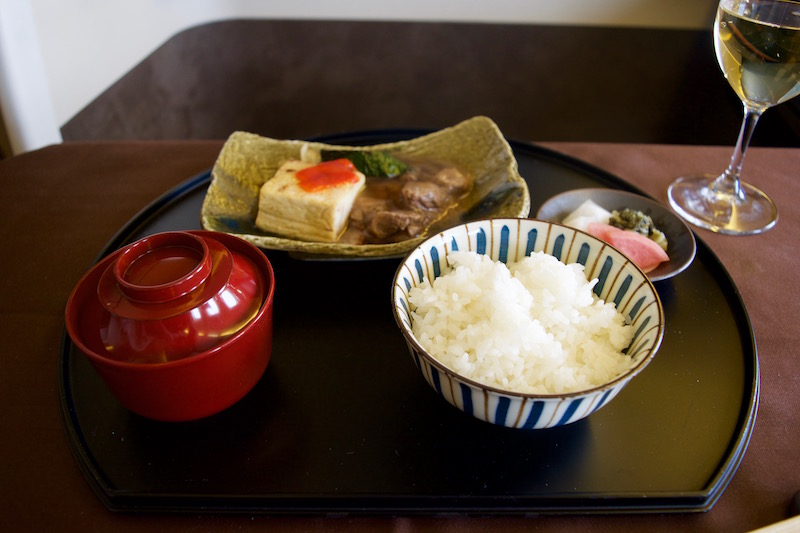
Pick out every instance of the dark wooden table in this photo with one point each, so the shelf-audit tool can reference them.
(62, 204)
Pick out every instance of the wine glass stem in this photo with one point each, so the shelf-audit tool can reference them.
(728, 182)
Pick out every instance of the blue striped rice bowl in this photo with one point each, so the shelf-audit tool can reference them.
(511, 240)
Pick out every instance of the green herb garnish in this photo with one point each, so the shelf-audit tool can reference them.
(375, 164)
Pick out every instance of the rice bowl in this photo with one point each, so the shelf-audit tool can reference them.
(480, 366)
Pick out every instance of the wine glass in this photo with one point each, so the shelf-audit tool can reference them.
(757, 44)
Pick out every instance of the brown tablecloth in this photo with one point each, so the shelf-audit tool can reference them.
(61, 204)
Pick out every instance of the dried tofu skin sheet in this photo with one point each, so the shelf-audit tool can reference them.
(247, 160)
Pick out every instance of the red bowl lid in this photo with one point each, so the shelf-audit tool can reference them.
(166, 297)
(164, 275)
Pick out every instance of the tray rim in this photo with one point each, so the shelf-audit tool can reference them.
(587, 503)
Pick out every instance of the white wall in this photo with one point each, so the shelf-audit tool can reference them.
(27, 108)
(86, 45)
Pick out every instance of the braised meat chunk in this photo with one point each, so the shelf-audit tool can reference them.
(424, 195)
(388, 223)
(452, 180)
(365, 207)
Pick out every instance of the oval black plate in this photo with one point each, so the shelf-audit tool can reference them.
(341, 423)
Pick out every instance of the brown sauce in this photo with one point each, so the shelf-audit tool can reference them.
(396, 209)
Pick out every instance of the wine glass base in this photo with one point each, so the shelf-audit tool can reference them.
(694, 199)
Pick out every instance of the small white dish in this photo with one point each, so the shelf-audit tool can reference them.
(681, 247)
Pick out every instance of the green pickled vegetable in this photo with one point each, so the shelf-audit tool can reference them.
(374, 164)
(632, 220)
(639, 222)
(659, 238)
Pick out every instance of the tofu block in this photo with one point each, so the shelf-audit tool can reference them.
(288, 209)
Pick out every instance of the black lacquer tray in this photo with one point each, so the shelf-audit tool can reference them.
(342, 422)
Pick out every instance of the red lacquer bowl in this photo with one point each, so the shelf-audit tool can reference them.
(178, 324)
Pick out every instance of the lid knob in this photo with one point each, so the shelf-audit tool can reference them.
(162, 267)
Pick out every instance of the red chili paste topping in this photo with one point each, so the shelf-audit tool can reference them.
(326, 175)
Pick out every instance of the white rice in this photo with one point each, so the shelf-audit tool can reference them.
(534, 326)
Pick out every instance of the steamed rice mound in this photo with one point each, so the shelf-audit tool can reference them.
(534, 326)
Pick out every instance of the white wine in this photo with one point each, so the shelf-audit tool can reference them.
(758, 50)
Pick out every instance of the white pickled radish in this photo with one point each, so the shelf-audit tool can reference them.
(587, 213)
